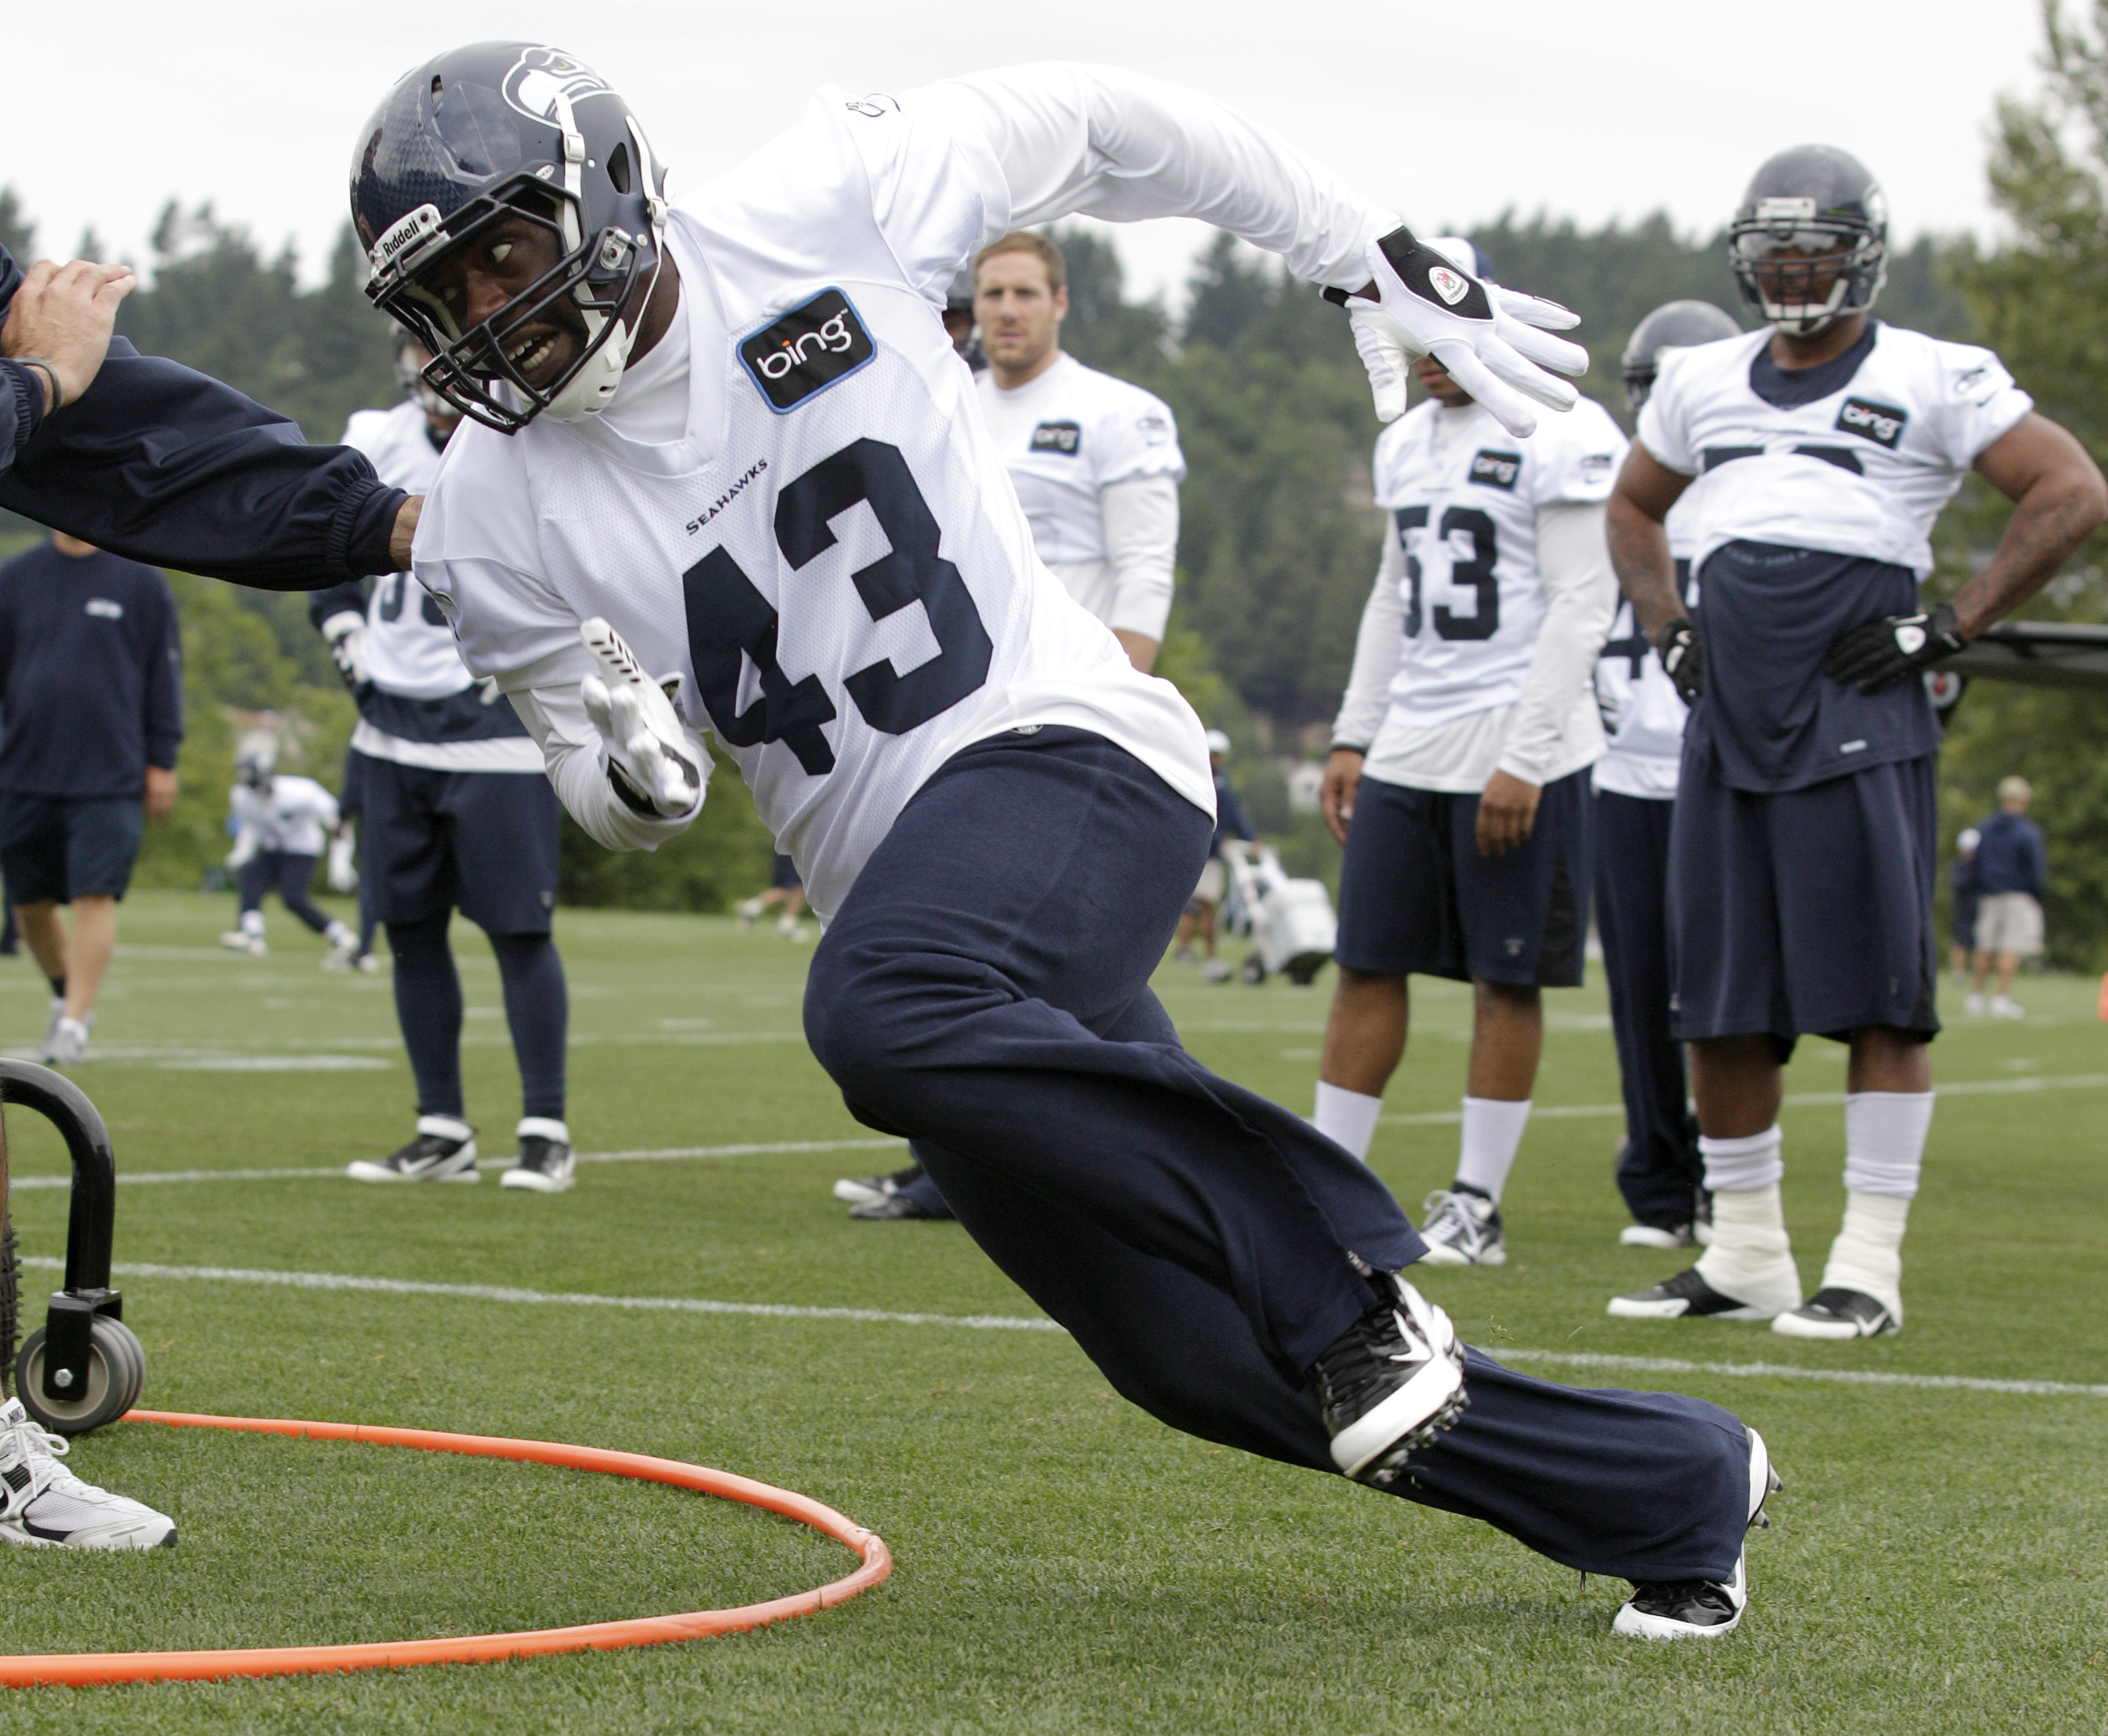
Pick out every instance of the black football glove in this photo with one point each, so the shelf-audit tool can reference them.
(1876, 653)
(1680, 660)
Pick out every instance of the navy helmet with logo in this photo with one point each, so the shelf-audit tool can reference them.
(1674, 325)
(1811, 213)
(490, 133)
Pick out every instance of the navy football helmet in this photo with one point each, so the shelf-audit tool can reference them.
(1810, 212)
(483, 135)
(1674, 325)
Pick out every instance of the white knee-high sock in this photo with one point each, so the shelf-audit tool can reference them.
(1884, 1135)
(1347, 1118)
(1750, 1257)
(1486, 1149)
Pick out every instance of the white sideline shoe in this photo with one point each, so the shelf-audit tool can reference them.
(2004, 1007)
(46, 1506)
(1973, 1005)
(68, 1041)
(1840, 1313)
(1701, 1609)
(1462, 1230)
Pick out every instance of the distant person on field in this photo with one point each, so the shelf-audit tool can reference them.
(786, 892)
(92, 681)
(2012, 865)
(1230, 823)
(282, 824)
(1968, 895)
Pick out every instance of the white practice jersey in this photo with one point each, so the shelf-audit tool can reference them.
(296, 815)
(1067, 436)
(832, 557)
(408, 648)
(1463, 495)
(1643, 715)
(1855, 457)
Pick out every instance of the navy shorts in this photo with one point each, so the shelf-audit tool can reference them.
(1416, 897)
(482, 842)
(56, 848)
(1803, 911)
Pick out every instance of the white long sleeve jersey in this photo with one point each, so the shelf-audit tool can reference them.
(831, 554)
(1493, 598)
(296, 815)
(1096, 466)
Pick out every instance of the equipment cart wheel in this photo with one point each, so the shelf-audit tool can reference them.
(116, 1371)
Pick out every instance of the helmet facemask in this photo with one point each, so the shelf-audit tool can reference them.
(1801, 272)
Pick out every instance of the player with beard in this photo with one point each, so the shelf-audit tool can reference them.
(1803, 850)
(727, 474)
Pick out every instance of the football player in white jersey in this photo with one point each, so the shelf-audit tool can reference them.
(1461, 757)
(454, 814)
(1096, 466)
(281, 826)
(747, 489)
(1659, 1171)
(1802, 853)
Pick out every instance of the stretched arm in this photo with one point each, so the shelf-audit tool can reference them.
(1141, 541)
(2059, 499)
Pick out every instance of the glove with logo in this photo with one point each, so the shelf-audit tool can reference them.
(651, 760)
(346, 634)
(1875, 653)
(1681, 659)
(1488, 338)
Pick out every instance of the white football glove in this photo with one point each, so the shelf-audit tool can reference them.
(343, 871)
(1494, 342)
(651, 762)
(346, 634)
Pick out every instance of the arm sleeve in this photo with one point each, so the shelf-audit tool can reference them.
(165, 466)
(1581, 592)
(1141, 519)
(576, 762)
(1377, 647)
(1030, 144)
(21, 409)
(165, 688)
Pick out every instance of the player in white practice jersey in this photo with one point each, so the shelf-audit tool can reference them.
(1096, 466)
(1802, 853)
(1659, 1169)
(455, 813)
(742, 443)
(1461, 757)
(282, 824)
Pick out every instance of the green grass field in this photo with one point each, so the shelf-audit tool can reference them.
(1936, 1562)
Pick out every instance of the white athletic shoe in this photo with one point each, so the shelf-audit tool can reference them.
(45, 1505)
(343, 954)
(546, 1164)
(1215, 970)
(747, 913)
(52, 1028)
(1840, 1313)
(1462, 1230)
(68, 1041)
(444, 1150)
(1701, 1609)
(1656, 1236)
(1687, 1297)
(790, 928)
(241, 940)
(1973, 1005)
(2003, 1006)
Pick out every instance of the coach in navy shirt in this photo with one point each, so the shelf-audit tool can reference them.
(92, 686)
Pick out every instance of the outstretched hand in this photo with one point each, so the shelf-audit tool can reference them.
(652, 762)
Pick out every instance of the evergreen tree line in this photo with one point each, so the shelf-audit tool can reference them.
(1279, 535)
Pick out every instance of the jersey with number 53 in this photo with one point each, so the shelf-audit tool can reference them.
(1463, 495)
(831, 555)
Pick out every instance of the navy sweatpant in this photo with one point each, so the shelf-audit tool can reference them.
(287, 874)
(1659, 1171)
(983, 991)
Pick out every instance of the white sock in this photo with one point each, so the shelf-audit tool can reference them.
(1742, 1165)
(1486, 1151)
(252, 922)
(1750, 1257)
(542, 1127)
(1347, 1118)
(445, 1126)
(1868, 1252)
(1885, 1135)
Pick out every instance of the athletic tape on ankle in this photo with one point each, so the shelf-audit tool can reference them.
(1743, 1165)
(1885, 1135)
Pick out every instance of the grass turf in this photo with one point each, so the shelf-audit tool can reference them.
(1065, 1564)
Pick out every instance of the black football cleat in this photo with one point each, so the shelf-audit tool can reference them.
(1687, 1297)
(1391, 1382)
(1701, 1609)
(1839, 1313)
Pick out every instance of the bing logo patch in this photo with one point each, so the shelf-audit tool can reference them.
(807, 350)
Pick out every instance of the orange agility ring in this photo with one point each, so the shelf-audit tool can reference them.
(85, 1669)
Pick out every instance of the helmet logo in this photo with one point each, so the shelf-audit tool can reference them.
(1452, 287)
(404, 236)
(1785, 210)
(541, 75)
(808, 349)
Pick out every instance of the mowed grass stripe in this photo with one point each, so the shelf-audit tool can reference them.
(1020, 1323)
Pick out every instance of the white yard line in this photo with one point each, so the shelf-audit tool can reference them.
(1794, 1099)
(664, 1154)
(1024, 1324)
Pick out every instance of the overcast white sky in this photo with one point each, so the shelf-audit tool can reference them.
(1450, 113)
